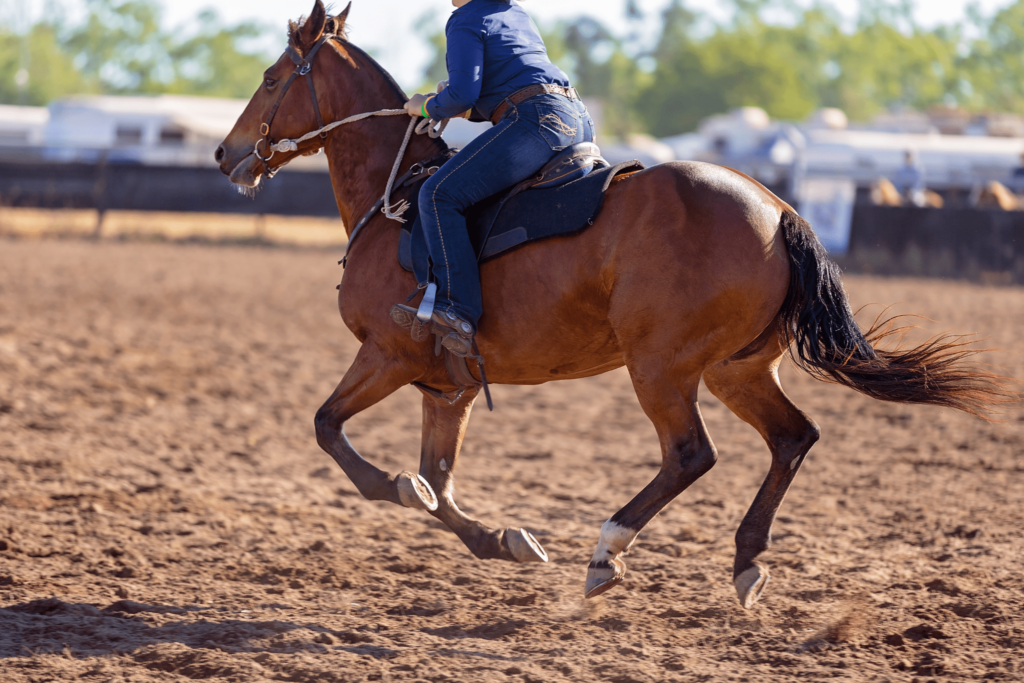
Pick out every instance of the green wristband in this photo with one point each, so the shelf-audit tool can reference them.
(424, 108)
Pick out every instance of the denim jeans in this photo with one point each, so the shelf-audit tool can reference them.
(528, 136)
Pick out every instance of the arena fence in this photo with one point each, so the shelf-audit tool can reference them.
(978, 244)
(984, 245)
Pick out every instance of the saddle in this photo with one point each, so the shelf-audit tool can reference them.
(564, 198)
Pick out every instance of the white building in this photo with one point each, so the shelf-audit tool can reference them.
(22, 126)
(162, 130)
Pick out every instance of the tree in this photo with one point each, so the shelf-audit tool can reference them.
(211, 63)
(121, 48)
(599, 67)
(38, 62)
(992, 72)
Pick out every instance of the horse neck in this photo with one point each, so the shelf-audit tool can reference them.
(361, 155)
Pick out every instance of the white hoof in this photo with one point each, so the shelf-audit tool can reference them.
(751, 583)
(603, 576)
(524, 546)
(415, 492)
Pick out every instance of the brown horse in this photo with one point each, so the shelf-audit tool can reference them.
(691, 271)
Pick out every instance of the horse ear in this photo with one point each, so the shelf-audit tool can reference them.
(343, 17)
(313, 27)
(337, 23)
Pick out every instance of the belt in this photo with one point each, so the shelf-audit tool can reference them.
(528, 92)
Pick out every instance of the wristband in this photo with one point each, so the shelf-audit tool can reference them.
(426, 115)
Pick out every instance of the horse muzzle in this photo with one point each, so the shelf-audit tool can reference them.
(246, 172)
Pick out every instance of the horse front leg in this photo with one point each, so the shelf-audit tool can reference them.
(444, 427)
(372, 377)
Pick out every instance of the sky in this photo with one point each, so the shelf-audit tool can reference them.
(386, 27)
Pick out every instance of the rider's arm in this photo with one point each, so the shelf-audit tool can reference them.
(465, 75)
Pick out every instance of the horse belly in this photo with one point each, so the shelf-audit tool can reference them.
(546, 311)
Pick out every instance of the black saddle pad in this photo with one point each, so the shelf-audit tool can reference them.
(527, 217)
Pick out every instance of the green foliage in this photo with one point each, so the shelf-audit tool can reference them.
(120, 45)
(121, 48)
(437, 69)
(51, 72)
(995, 66)
(696, 69)
(600, 68)
(212, 64)
(792, 68)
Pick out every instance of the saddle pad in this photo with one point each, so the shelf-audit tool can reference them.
(526, 217)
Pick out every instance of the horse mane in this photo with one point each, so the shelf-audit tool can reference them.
(340, 30)
(375, 65)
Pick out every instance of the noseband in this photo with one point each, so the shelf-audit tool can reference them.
(303, 66)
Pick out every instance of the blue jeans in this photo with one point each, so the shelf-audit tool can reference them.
(528, 136)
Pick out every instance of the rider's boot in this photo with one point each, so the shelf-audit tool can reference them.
(456, 333)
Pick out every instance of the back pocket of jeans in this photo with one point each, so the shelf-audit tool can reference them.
(557, 125)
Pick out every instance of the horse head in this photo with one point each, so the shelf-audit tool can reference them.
(283, 107)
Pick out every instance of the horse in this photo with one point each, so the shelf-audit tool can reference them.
(691, 271)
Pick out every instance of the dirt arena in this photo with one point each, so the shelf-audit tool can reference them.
(166, 514)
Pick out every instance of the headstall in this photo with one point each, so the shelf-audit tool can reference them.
(303, 66)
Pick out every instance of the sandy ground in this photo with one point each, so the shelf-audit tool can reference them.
(161, 226)
(165, 513)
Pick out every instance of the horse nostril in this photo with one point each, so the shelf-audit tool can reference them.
(219, 154)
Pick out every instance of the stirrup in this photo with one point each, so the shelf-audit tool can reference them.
(453, 334)
(405, 316)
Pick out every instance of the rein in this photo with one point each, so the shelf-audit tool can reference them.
(303, 67)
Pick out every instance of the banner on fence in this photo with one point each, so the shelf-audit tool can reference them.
(827, 204)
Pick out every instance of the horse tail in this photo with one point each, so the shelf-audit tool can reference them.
(825, 341)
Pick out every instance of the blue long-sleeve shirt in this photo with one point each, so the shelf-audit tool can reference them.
(494, 50)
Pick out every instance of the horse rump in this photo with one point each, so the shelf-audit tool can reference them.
(824, 340)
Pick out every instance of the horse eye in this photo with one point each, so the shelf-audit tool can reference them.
(270, 83)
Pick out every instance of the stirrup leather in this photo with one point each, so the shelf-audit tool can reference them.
(448, 338)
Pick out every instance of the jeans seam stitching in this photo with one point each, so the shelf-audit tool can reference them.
(437, 217)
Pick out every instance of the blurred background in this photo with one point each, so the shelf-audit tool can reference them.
(896, 128)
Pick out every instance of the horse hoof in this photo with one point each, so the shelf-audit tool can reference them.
(524, 546)
(603, 576)
(415, 492)
(751, 583)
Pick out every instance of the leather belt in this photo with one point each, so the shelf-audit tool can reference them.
(528, 92)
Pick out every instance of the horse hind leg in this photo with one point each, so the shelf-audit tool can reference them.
(687, 454)
(444, 427)
(372, 377)
(750, 388)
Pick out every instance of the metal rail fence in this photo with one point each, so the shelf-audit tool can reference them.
(134, 187)
(972, 243)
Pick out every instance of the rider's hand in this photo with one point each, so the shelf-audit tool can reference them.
(414, 106)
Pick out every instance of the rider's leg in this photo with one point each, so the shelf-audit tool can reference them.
(508, 153)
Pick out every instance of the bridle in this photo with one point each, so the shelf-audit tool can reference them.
(303, 67)
(421, 126)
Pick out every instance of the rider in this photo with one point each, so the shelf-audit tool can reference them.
(497, 67)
